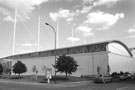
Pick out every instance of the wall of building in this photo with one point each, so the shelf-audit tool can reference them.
(39, 62)
(133, 52)
(123, 63)
(88, 63)
(120, 59)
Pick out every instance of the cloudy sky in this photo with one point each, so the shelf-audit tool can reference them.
(78, 22)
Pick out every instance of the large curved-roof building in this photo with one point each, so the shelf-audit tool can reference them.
(90, 57)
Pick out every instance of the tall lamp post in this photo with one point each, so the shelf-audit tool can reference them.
(55, 45)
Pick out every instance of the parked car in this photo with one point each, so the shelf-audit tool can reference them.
(133, 76)
(102, 79)
(125, 77)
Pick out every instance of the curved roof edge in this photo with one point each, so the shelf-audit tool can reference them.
(119, 42)
(35, 54)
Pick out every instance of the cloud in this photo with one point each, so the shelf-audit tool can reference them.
(53, 16)
(132, 29)
(24, 7)
(8, 19)
(103, 20)
(62, 13)
(28, 44)
(73, 39)
(105, 2)
(87, 1)
(4, 11)
(131, 36)
(84, 29)
(89, 4)
(100, 2)
(86, 9)
(89, 34)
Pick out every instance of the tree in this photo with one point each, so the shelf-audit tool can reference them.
(35, 70)
(44, 68)
(7, 68)
(108, 69)
(66, 64)
(19, 68)
(1, 69)
(121, 72)
(98, 70)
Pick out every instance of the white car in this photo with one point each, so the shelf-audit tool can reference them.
(125, 77)
(103, 79)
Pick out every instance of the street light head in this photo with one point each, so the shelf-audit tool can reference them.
(46, 24)
(51, 27)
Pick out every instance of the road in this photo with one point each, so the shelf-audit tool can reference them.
(71, 86)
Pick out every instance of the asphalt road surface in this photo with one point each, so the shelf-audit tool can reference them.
(69, 86)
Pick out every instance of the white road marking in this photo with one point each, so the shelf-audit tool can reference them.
(122, 88)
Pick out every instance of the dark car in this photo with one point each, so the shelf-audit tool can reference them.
(102, 79)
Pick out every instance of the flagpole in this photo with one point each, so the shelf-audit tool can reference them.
(39, 20)
(14, 33)
(84, 37)
(57, 44)
(72, 34)
(38, 33)
(94, 39)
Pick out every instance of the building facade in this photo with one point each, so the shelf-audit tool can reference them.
(91, 58)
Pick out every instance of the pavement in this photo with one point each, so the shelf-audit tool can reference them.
(65, 84)
(7, 84)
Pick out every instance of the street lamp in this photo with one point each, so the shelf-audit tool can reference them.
(55, 45)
